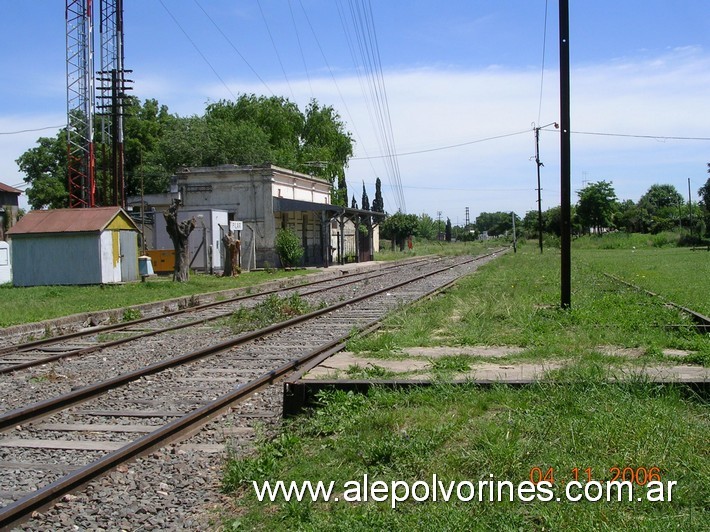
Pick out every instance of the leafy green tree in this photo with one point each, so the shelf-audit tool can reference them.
(495, 223)
(447, 231)
(663, 203)
(631, 218)
(596, 206)
(326, 141)
(378, 204)
(45, 169)
(426, 227)
(398, 227)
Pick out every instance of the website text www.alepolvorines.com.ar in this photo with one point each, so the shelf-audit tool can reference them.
(437, 490)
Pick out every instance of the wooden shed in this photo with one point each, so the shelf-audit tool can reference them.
(74, 246)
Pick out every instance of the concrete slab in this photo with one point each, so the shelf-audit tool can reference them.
(338, 364)
(488, 351)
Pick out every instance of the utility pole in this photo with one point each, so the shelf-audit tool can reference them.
(539, 189)
(565, 163)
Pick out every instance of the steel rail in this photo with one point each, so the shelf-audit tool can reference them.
(702, 321)
(126, 324)
(22, 509)
(112, 343)
(39, 409)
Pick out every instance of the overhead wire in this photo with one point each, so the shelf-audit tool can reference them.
(20, 131)
(194, 45)
(367, 45)
(542, 70)
(300, 48)
(335, 81)
(234, 47)
(276, 50)
(450, 146)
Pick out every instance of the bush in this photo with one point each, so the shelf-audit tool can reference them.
(288, 248)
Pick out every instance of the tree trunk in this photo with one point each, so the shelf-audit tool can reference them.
(232, 248)
(179, 234)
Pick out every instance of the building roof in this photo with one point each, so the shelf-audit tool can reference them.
(70, 221)
(8, 188)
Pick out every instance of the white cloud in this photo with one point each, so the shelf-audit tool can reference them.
(435, 107)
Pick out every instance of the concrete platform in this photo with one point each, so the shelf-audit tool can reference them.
(419, 367)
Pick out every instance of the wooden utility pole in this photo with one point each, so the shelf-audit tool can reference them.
(565, 166)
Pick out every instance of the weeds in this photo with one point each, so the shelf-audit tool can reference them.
(272, 310)
(131, 314)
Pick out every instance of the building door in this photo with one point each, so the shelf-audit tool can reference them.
(128, 245)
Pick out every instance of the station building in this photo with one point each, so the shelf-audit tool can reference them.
(262, 200)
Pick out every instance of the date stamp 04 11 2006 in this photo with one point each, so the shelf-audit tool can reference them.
(583, 479)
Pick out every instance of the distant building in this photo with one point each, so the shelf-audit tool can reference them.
(265, 199)
(74, 247)
(9, 208)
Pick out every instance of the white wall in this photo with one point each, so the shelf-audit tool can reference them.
(5, 264)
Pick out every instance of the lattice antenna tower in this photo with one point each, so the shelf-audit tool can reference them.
(80, 103)
(111, 93)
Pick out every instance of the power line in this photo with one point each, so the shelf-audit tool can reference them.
(194, 45)
(300, 48)
(233, 47)
(31, 130)
(654, 137)
(542, 70)
(273, 44)
(450, 146)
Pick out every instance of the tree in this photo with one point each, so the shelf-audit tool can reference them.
(353, 204)
(326, 142)
(426, 227)
(495, 223)
(378, 204)
(663, 204)
(398, 227)
(252, 130)
(232, 248)
(596, 206)
(45, 169)
(365, 199)
(179, 233)
(448, 230)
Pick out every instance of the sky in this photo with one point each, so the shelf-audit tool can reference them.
(465, 82)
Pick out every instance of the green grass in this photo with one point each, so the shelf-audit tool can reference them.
(469, 434)
(274, 309)
(433, 247)
(515, 301)
(31, 304)
(578, 420)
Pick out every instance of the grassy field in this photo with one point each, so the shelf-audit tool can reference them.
(468, 434)
(32, 304)
(37, 303)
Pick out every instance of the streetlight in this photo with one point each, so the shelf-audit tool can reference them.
(539, 164)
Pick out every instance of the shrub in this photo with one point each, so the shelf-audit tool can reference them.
(288, 248)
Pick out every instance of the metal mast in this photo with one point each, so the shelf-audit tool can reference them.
(111, 93)
(80, 103)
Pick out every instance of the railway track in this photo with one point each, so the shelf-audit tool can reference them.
(702, 322)
(18, 356)
(53, 446)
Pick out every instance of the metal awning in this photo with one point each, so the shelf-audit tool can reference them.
(290, 205)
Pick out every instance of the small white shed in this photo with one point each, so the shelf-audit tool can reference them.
(5, 265)
(74, 246)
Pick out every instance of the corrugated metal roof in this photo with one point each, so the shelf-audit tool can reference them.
(8, 188)
(68, 221)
